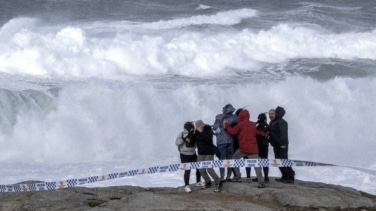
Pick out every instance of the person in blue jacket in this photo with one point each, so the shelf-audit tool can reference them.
(225, 141)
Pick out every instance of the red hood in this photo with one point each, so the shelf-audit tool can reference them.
(244, 115)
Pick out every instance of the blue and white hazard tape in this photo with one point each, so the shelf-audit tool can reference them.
(159, 169)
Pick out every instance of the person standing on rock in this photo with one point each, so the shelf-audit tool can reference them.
(263, 143)
(225, 141)
(187, 149)
(203, 137)
(245, 132)
(278, 132)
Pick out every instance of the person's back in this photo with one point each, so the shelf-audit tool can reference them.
(263, 142)
(203, 137)
(204, 141)
(245, 131)
(221, 135)
(225, 141)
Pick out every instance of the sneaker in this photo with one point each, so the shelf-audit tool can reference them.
(249, 180)
(200, 184)
(207, 185)
(218, 187)
(187, 189)
(228, 179)
(255, 180)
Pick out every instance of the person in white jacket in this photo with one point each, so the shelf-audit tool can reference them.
(187, 149)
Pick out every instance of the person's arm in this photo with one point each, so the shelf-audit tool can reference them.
(283, 139)
(179, 141)
(217, 124)
(260, 132)
(231, 130)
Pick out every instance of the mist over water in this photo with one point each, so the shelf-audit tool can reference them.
(101, 90)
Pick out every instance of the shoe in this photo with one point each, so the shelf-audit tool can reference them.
(223, 179)
(207, 185)
(255, 180)
(200, 184)
(279, 180)
(249, 180)
(218, 187)
(187, 189)
(228, 179)
(266, 180)
(261, 185)
(238, 180)
(288, 181)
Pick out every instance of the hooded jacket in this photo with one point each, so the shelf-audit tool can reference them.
(221, 135)
(245, 132)
(278, 129)
(184, 147)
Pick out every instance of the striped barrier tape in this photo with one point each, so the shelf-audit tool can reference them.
(159, 169)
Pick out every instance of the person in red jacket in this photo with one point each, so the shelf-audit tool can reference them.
(245, 131)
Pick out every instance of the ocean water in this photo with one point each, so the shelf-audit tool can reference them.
(89, 87)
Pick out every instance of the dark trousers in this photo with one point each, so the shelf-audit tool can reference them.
(263, 153)
(287, 172)
(187, 173)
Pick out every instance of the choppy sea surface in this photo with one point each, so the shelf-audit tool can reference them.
(98, 86)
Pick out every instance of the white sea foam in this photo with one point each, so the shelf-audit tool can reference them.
(69, 52)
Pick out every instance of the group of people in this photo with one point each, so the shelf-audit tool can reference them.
(237, 137)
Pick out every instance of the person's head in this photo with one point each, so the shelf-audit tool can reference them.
(238, 111)
(279, 112)
(189, 126)
(244, 115)
(272, 114)
(261, 117)
(228, 109)
(200, 125)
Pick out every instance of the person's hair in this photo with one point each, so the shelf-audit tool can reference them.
(188, 126)
(261, 117)
(238, 111)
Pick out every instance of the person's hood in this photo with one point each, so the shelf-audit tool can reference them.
(279, 112)
(229, 109)
(244, 115)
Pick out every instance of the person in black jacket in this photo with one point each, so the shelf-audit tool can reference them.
(263, 143)
(278, 131)
(203, 137)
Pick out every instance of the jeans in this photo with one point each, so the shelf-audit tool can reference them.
(227, 150)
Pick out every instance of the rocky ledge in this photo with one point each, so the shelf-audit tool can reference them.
(234, 196)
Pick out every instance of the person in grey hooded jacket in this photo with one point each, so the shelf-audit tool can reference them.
(225, 141)
(187, 148)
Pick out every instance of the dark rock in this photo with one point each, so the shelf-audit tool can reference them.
(234, 196)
